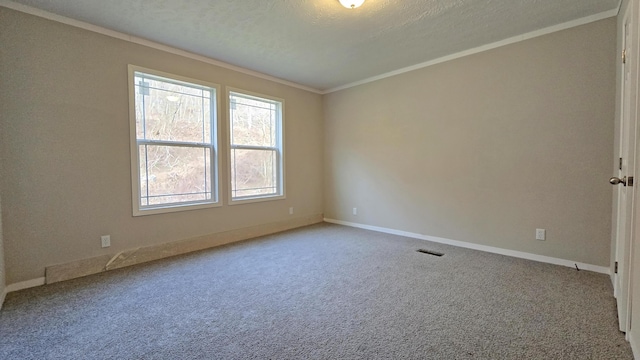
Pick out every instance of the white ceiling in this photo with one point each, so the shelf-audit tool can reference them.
(318, 43)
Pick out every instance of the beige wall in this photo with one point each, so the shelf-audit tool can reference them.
(65, 142)
(485, 148)
(482, 149)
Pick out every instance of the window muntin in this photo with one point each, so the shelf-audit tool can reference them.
(174, 143)
(256, 150)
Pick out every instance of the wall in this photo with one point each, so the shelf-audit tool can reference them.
(64, 101)
(485, 148)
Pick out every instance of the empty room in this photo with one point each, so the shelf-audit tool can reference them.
(319, 179)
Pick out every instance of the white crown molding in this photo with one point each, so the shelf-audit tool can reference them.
(479, 49)
(152, 44)
(485, 248)
(144, 42)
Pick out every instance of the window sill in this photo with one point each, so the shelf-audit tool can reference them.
(174, 208)
(256, 199)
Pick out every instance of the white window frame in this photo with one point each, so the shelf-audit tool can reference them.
(138, 208)
(279, 148)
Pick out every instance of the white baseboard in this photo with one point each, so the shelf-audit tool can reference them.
(468, 245)
(24, 285)
(519, 254)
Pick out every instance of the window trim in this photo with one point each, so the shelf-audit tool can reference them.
(215, 201)
(280, 151)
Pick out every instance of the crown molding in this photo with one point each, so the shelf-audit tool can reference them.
(148, 43)
(479, 49)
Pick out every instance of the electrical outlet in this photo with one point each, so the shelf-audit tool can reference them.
(541, 234)
(355, 211)
(106, 240)
(291, 210)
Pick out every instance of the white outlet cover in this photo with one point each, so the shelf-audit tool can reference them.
(105, 240)
(541, 234)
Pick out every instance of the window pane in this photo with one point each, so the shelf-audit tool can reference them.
(172, 112)
(253, 122)
(173, 174)
(253, 172)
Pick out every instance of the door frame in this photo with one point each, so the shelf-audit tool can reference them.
(624, 219)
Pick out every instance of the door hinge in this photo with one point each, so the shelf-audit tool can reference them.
(615, 268)
(624, 56)
(620, 164)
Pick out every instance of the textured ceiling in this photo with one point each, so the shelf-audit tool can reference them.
(318, 43)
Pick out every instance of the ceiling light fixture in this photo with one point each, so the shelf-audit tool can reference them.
(351, 4)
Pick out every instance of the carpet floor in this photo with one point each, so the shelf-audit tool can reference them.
(320, 292)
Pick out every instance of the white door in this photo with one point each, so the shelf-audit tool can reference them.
(624, 177)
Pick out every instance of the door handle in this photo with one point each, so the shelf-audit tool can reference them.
(616, 180)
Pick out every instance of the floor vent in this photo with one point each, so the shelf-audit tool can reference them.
(430, 252)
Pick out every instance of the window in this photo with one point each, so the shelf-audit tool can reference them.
(173, 142)
(256, 147)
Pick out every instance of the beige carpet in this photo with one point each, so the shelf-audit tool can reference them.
(321, 292)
